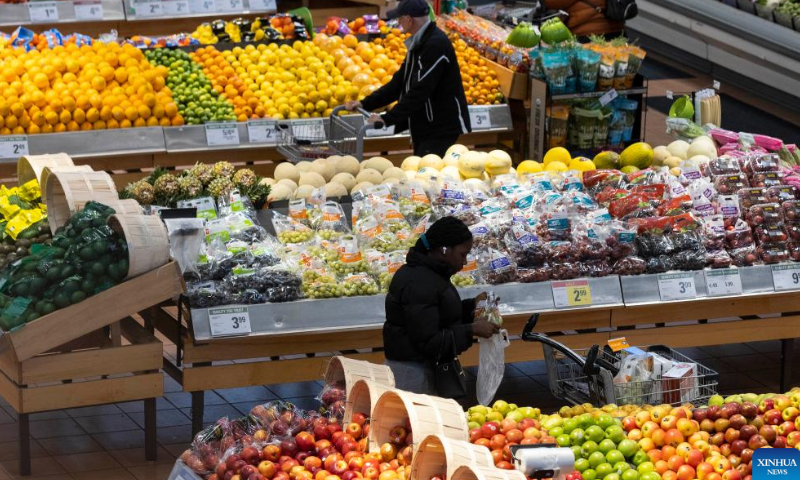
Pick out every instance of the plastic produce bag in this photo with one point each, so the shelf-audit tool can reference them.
(491, 366)
(186, 236)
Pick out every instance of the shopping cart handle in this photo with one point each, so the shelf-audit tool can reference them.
(531, 324)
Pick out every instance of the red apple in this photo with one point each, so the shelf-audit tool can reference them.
(397, 435)
(339, 467)
(713, 412)
(747, 431)
(359, 418)
(320, 445)
(668, 422)
(747, 455)
(289, 447)
(247, 470)
(229, 475)
(707, 425)
(732, 435)
(497, 442)
(388, 452)
(350, 475)
(790, 414)
(765, 405)
(717, 439)
(629, 423)
(353, 429)
(737, 421)
(793, 439)
(330, 460)
(721, 424)
(738, 446)
(749, 410)
(773, 417)
(686, 472)
(490, 429)
(731, 475)
(231, 461)
(349, 446)
(786, 428)
(703, 470)
(370, 473)
(311, 463)
(694, 458)
(700, 414)
(758, 422)
(304, 441)
(475, 434)
(515, 435)
(768, 432)
(756, 442)
(779, 442)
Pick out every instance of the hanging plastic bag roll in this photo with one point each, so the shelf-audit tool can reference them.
(491, 366)
(532, 460)
(186, 236)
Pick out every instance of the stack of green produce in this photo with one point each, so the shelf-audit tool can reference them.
(23, 221)
(85, 258)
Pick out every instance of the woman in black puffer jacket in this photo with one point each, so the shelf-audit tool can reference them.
(425, 316)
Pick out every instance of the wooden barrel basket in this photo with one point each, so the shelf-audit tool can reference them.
(343, 369)
(425, 414)
(48, 171)
(148, 243)
(30, 167)
(442, 456)
(68, 192)
(361, 398)
(477, 472)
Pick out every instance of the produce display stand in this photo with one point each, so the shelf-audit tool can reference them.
(131, 154)
(166, 17)
(292, 342)
(75, 357)
(541, 98)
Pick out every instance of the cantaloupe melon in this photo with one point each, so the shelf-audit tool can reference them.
(361, 187)
(345, 179)
(267, 181)
(287, 170)
(471, 164)
(377, 163)
(369, 175)
(450, 172)
(304, 192)
(304, 166)
(453, 154)
(431, 160)
(348, 164)
(280, 191)
(411, 164)
(291, 184)
(391, 181)
(334, 189)
(498, 163)
(312, 178)
(394, 172)
(324, 167)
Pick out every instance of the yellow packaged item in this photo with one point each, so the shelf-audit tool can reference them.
(30, 191)
(23, 220)
(8, 209)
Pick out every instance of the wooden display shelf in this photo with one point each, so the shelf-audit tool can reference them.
(514, 85)
(258, 360)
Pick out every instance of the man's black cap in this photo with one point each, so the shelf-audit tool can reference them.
(410, 8)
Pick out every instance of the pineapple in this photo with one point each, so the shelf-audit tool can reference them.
(220, 187)
(167, 186)
(244, 178)
(222, 169)
(202, 172)
(141, 191)
(190, 186)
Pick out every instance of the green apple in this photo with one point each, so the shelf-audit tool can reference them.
(513, 406)
(552, 422)
(577, 436)
(589, 474)
(615, 433)
(612, 476)
(595, 433)
(615, 456)
(639, 458)
(477, 417)
(494, 417)
(596, 459)
(620, 467)
(606, 446)
(563, 440)
(473, 425)
(650, 476)
(515, 415)
(604, 470)
(576, 451)
(646, 467)
(605, 420)
(588, 448)
(630, 475)
(628, 447)
(716, 400)
(555, 432)
(501, 406)
(570, 425)
(586, 420)
(582, 464)
(528, 412)
(733, 399)
(750, 397)
(482, 409)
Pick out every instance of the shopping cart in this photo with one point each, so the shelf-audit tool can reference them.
(587, 375)
(310, 139)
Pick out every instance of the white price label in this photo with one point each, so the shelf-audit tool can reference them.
(43, 12)
(380, 132)
(670, 95)
(13, 147)
(176, 7)
(573, 293)
(222, 134)
(716, 85)
(312, 130)
(723, 282)
(676, 286)
(785, 277)
(203, 6)
(263, 6)
(230, 6)
(263, 131)
(88, 11)
(479, 118)
(149, 8)
(608, 97)
(226, 321)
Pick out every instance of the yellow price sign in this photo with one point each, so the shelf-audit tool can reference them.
(575, 293)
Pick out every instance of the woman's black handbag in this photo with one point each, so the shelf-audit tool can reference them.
(451, 381)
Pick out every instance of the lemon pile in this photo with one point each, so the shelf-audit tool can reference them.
(70, 88)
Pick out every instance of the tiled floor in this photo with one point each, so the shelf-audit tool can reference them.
(107, 442)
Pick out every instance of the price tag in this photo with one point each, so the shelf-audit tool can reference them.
(263, 131)
(88, 11)
(226, 321)
(784, 277)
(723, 282)
(176, 7)
(608, 97)
(222, 134)
(479, 118)
(149, 8)
(670, 95)
(575, 293)
(676, 286)
(13, 147)
(203, 6)
(381, 132)
(230, 6)
(263, 6)
(313, 130)
(716, 85)
(43, 12)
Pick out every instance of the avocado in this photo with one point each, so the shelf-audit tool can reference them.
(86, 253)
(21, 289)
(37, 286)
(87, 285)
(99, 247)
(77, 297)
(53, 273)
(67, 271)
(71, 285)
(98, 268)
(62, 299)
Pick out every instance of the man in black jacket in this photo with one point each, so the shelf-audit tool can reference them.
(427, 88)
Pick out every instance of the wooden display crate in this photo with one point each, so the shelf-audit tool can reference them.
(98, 311)
(513, 85)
